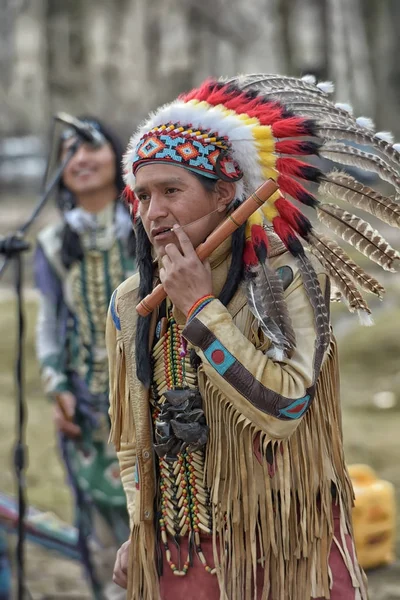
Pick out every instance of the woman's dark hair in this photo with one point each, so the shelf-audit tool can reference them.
(71, 248)
(145, 267)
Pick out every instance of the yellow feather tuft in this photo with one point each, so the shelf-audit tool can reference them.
(270, 211)
(269, 173)
(275, 196)
(267, 145)
(263, 132)
(255, 219)
(267, 159)
(249, 120)
(228, 112)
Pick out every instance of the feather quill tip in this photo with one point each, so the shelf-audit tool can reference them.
(365, 318)
(326, 86)
(345, 106)
(365, 122)
(386, 136)
(309, 79)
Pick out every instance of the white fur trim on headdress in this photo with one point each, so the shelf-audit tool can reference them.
(202, 116)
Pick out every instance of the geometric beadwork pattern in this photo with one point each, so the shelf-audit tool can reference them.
(192, 149)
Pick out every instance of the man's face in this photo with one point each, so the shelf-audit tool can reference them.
(90, 169)
(170, 195)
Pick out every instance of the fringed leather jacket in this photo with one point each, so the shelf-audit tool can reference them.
(274, 459)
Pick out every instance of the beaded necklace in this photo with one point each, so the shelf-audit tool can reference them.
(185, 501)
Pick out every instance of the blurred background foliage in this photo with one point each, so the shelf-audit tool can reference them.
(120, 58)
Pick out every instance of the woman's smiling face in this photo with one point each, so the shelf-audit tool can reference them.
(90, 169)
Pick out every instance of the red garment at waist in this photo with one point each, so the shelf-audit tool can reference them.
(199, 584)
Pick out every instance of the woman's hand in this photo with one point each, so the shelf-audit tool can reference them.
(63, 415)
(120, 575)
(184, 277)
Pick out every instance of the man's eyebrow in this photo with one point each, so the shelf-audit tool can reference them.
(162, 182)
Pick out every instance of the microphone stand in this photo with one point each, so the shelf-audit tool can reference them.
(12, 248)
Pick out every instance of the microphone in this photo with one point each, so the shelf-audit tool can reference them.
(85, 130)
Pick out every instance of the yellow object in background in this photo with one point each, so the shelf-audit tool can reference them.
(374, 517)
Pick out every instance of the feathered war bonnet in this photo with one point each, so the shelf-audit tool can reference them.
(254, 127)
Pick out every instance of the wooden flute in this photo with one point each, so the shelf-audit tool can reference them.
(215, 239)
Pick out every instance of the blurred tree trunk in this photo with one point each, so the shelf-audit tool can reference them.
(383, 19)
(66, 54)
(308, 31)
(338, 54)
(9, 10)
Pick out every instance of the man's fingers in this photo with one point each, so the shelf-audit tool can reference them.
(172, 254)
(185, 243)
(166, 260)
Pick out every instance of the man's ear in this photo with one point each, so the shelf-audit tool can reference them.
(225, 191)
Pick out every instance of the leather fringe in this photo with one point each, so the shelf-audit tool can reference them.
(275, 515)
(122, 421)
(278, 515)
(142, 574)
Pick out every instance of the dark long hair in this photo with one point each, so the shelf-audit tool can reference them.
(71, 247)
(146, 272)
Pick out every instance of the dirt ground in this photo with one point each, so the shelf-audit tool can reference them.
(370, 363)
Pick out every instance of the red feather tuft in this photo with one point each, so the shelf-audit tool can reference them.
(135, 209)
(282, 229)
(291, 166)
(292, 127)
(287, 235)
(290, 186)
(293, 216)
(219, 96)
(260, 242)
(267, 112)
(249, 256)
(247, 107)
(258, 236)
(295, 147)
(232, 98)
(298, 168)
(201, 93)
(131, 200)
(129, 195)
(237, 103)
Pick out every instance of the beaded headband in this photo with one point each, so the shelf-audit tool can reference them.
(198, 151)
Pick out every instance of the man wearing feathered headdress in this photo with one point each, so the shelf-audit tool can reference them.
(225, 401)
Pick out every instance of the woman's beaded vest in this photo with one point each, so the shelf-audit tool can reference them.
(184, 502)
(89, 286)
